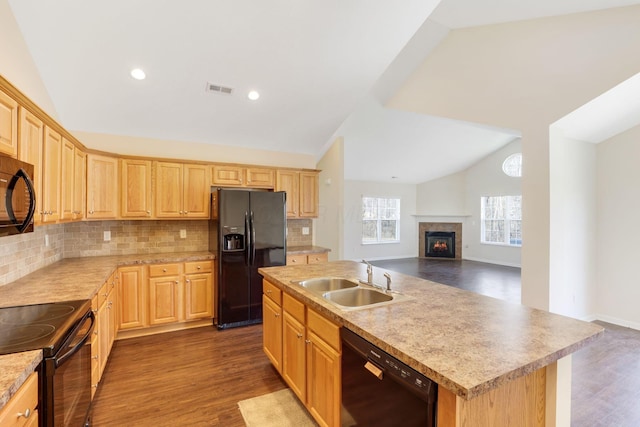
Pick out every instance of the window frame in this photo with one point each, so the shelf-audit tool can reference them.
(380, 205)
(507, 221)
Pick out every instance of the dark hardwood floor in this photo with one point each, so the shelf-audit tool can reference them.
(190, 378)
(196, 377)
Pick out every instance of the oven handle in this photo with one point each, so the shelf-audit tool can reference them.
(60, 359)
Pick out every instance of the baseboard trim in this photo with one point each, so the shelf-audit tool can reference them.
(617, 321)
(491, 261)
(170, 327)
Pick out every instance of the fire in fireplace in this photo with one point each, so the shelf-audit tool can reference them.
(441, 244)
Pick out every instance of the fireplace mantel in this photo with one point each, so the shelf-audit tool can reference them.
(456, 227)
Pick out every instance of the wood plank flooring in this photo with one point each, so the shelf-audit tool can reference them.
(187, 378)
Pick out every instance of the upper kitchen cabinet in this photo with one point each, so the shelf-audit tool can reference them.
(8, 125)
(302, 192)
(182, 190)
(135, 188)
(73, 187)
(51, 173)
(30, 151)
(102, 187)
(240, 176)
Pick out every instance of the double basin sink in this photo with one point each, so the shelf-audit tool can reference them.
(348, 294)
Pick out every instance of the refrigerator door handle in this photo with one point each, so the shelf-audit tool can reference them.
(247, 239)
(252, 243)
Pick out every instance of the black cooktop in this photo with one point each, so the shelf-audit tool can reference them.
(38, 326)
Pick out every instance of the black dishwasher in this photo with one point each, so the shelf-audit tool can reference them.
(380, 390)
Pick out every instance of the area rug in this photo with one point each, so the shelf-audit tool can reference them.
(278, 409)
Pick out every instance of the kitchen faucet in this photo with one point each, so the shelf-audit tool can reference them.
(369, 273)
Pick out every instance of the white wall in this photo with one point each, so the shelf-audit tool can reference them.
(16, 63)
(329, 226)
(572, 238)
(353, 247)
(526, 75)
(618, 235)
(442, 196)
(486, 178)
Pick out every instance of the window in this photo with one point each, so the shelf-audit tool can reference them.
(380, 220)
(512, 165)
(501, 220)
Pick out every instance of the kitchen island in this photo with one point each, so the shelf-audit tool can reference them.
(495, 362)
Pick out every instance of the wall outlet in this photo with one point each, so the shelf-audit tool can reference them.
(107, 236)
(305, 231)
(46, 240)
(183, 233)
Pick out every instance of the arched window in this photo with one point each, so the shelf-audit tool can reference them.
(512, 165)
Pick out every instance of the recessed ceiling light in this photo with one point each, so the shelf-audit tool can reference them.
(253, 95)
(138, 74)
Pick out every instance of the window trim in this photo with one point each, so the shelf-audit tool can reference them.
(506, 221)
(379, 221)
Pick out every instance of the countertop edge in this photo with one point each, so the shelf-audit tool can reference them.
(23, 364)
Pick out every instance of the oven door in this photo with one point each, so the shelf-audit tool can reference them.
(66, 388)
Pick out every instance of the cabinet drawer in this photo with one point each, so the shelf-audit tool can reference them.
(25, 400)
(316, 258)
(197, 267)
(164, 270)
(272, 292)
(294, 307)
(324, 328)
(296, 259)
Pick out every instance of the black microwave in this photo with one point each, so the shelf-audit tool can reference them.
(16, 189)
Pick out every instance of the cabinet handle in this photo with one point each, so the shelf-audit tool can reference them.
(164, 270)
(91, 212)
(268, 292)
(294, 260)
(198, 267)
(181, 212)
(186, 212)
(299, 335)
(277, 314)
(148, 212)
(177, 282)
(188, 281)
(307, 341)
(26, 413)
(94, 385)
(95, 357)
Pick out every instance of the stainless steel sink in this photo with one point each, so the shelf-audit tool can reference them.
(356, 297)
(326, 284)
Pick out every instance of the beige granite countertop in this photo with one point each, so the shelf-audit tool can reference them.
(306, 249)
(66, 280)
(466, 342)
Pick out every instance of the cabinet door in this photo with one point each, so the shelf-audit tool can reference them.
(308, 199)
(289, 181)
(323, 381)
(272, 331)
(196, 191)
(168, 193)
(30, 146)
(52, 155)
(260, 178)
(103, 335)
(227, 175)
(164, 300)
(293, 355)
(8, 125)
(135, 188)
(199, 296)
(67, 173)
(79, 184)
(131, 298)
(102, 187)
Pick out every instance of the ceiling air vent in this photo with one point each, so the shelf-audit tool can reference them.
(214, 88)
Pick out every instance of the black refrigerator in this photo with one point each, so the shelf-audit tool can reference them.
(249, 233)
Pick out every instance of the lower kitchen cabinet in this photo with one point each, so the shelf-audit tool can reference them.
(104, 308)
(314, 258)
(21, 410)
(164, 293)
(311, 353)
(132, 286)
(198, 281)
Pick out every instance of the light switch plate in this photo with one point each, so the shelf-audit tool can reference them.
(305, 230)
(183, 234)
(107, 236)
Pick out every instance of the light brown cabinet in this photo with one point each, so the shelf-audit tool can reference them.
(182, 190)
(198, 281)
(30, 151)
(135, 188)
(104, 306)
(272, 324)
(73, 179)
(79, 184)
(302, 192)
(8, 125)
(22, 410)
(240, 176)
(307, 258)
(51, 173)
(132, 288)
(311, 354)
(102, 187)
(165, 293)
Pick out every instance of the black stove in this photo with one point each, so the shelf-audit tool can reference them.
(39, 326)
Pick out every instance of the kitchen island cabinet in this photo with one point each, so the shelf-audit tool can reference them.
(493, 361)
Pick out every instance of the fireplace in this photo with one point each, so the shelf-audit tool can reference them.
(440, 244)
(452, 230)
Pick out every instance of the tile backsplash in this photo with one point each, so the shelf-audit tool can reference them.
(24, 253)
